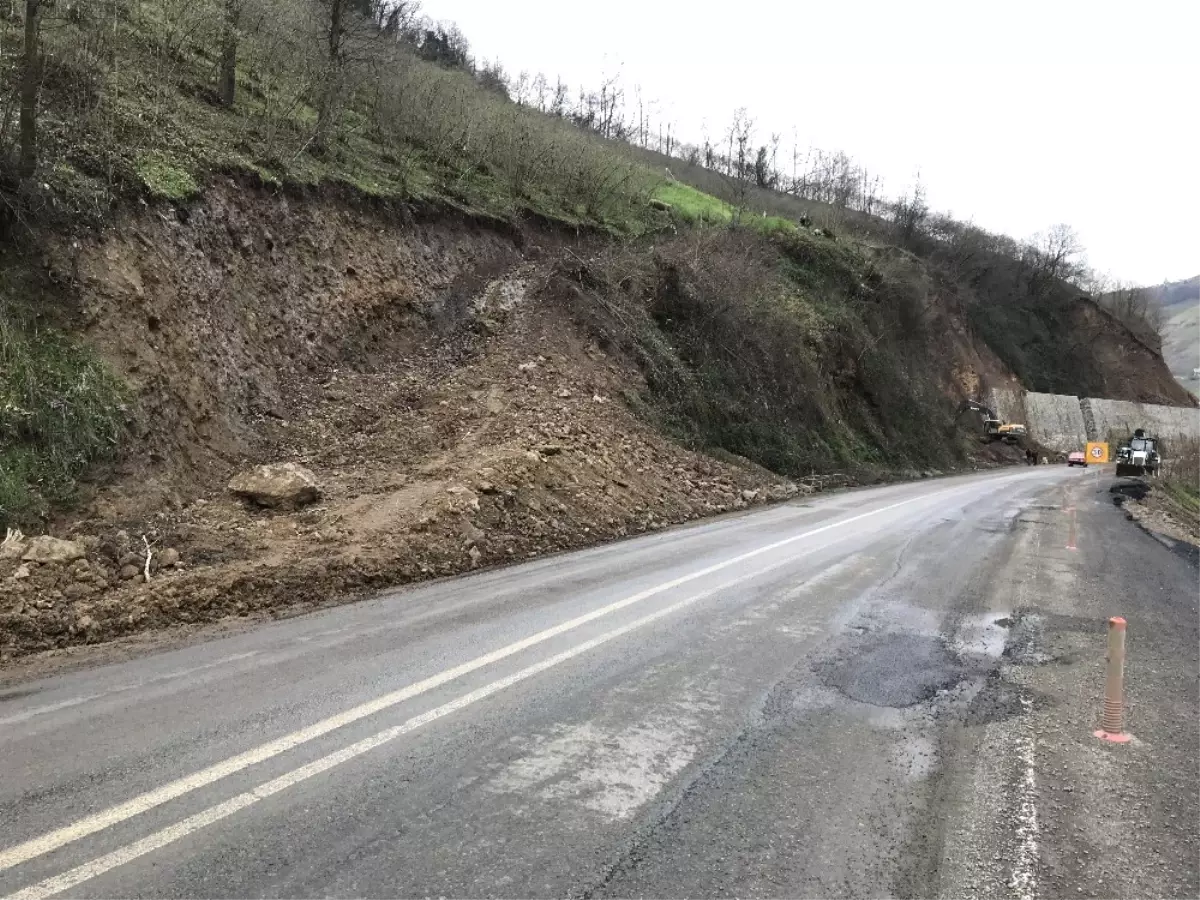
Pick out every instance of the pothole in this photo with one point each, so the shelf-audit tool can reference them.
(893, 670)
(997, 701)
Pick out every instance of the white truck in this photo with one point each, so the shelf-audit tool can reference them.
(1138, 456)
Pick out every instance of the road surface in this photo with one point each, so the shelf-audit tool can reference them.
(887, 692)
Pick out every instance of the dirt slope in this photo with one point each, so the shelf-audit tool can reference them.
(453, 421)
(1124, 366)
(453, 411)
(1181, 329)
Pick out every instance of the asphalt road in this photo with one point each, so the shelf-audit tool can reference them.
(886, 692)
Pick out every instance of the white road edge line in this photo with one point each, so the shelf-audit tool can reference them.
(156, 679)
(1024, 878)
(52, 840)
(53, 707)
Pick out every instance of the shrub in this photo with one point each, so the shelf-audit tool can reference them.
(60, 411)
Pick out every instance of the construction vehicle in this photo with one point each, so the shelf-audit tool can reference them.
(1139, 455)
(994, 428)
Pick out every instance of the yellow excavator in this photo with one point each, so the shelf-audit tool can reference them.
(994, 428)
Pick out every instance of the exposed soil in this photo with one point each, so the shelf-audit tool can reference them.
(1126, 366)
(453, 418)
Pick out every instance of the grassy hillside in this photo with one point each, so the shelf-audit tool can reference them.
(128, 107)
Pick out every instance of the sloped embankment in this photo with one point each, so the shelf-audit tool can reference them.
(464, 394)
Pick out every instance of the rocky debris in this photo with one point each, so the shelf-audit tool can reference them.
(277, 485)
(786, 491)
(498, 469)
(48, 550)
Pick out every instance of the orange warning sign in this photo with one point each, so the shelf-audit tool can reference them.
(1097, 453)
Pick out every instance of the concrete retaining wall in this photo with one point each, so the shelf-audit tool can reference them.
(1123, 417)
(1055, 421)
(1063, 422)
(1009, 404)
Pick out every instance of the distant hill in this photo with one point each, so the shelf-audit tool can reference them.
(1181, 329)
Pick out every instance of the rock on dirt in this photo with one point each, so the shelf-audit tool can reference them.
(277, 485)
(46, 549)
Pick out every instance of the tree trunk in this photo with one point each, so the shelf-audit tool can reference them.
(329, 92)
(31, 79)
(227, 86)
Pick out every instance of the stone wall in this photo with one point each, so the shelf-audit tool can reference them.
(1055, 421)
(1063, 422)
(1121, 417)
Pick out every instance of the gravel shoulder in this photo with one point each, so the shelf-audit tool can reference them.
(1047, 809)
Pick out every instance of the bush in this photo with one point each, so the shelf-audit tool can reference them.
(771, 350)
(1180, 476)
(60, 412)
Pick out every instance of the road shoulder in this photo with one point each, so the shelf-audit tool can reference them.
(1048, 810)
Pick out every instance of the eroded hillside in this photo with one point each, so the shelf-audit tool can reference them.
(465, 396)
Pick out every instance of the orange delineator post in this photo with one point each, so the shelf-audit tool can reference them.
(1112, 718)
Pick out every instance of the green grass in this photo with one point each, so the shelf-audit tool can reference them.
(1186, 495)
(164, 177)
(60, 412)
(698, 208)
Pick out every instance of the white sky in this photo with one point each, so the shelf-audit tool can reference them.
(1018, 114)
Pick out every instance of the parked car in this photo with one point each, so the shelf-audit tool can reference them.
(1076, 458)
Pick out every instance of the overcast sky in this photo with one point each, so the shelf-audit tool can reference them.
(1017, 114)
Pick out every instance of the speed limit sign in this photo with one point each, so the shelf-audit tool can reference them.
(1097, 452)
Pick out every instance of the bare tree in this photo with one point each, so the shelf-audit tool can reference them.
(558, 104)
(31, 80)
(910, 212)
(741, 131)
(348, 29)
(227, 77)
(1135, 306)
(335, 33)
(541, 90)
(519, 88)
(1061, 252)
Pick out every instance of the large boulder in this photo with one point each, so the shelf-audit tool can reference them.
(46, 549)
(277, 485)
